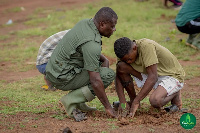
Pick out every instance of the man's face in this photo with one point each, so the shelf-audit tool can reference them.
(107, 29)
(131, 56)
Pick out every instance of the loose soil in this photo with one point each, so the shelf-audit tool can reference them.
(143, 122)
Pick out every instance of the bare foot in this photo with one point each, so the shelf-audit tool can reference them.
(177, 100)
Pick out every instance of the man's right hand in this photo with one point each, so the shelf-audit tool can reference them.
(98, 87)
(123, 111)
(111, 112)
(134, 107)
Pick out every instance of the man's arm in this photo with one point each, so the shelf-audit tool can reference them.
(148, 85)
(120, 90)
(122, 99)
(99, 90)
(104, 60)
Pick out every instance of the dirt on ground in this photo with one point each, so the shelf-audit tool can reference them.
(144, 121)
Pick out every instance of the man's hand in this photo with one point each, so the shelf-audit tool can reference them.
(98, 87)
(148, 85)
(123, 110)
(111, 112)
(135, 105)
(104, 60)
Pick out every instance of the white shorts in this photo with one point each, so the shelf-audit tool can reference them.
(170, 84)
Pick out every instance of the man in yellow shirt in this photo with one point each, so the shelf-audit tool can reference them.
(152, 66)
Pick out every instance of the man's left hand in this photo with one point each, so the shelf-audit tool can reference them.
(134, 107)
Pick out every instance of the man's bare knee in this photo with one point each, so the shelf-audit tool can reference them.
(121, 66)
(155, 102)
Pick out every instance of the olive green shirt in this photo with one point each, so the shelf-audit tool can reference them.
(79, 49)
(150, 53)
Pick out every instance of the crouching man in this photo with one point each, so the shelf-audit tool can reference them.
(77, 64)
(152, 66)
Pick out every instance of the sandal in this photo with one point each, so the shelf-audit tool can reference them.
(174, 108)
(116, 105)
(78, 115)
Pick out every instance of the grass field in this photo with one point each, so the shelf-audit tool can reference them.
(136, 20)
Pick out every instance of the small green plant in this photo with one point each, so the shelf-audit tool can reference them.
(173, 31)
(131, 120)
(10, 128)
(141, 126)
(151, 130)
(169, 123)
(35, 126)
(123, 105)
(95, 124)
(113, 126)
(59, 116)
(21, 125)
(112, 119)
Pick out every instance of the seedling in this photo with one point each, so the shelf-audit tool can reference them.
(123, 105)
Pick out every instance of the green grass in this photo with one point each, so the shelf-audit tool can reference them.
(195, 103)
(192, 71)
(136, 20)
(142, 22)
(3, 37)
(27, 96)
(13, 10)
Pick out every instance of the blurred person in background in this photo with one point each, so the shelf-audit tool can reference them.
(188, 21)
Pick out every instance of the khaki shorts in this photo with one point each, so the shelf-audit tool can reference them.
(170, 84)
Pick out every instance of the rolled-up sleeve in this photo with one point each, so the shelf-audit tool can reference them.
(91, 56)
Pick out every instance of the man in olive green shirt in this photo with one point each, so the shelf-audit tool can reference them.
(77, 63)
(152, 66)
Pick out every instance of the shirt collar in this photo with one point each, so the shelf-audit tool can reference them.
(96, 31)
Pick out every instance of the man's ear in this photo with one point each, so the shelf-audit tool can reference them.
(134, 47)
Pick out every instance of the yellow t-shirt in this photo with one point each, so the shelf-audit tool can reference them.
(150, 53)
